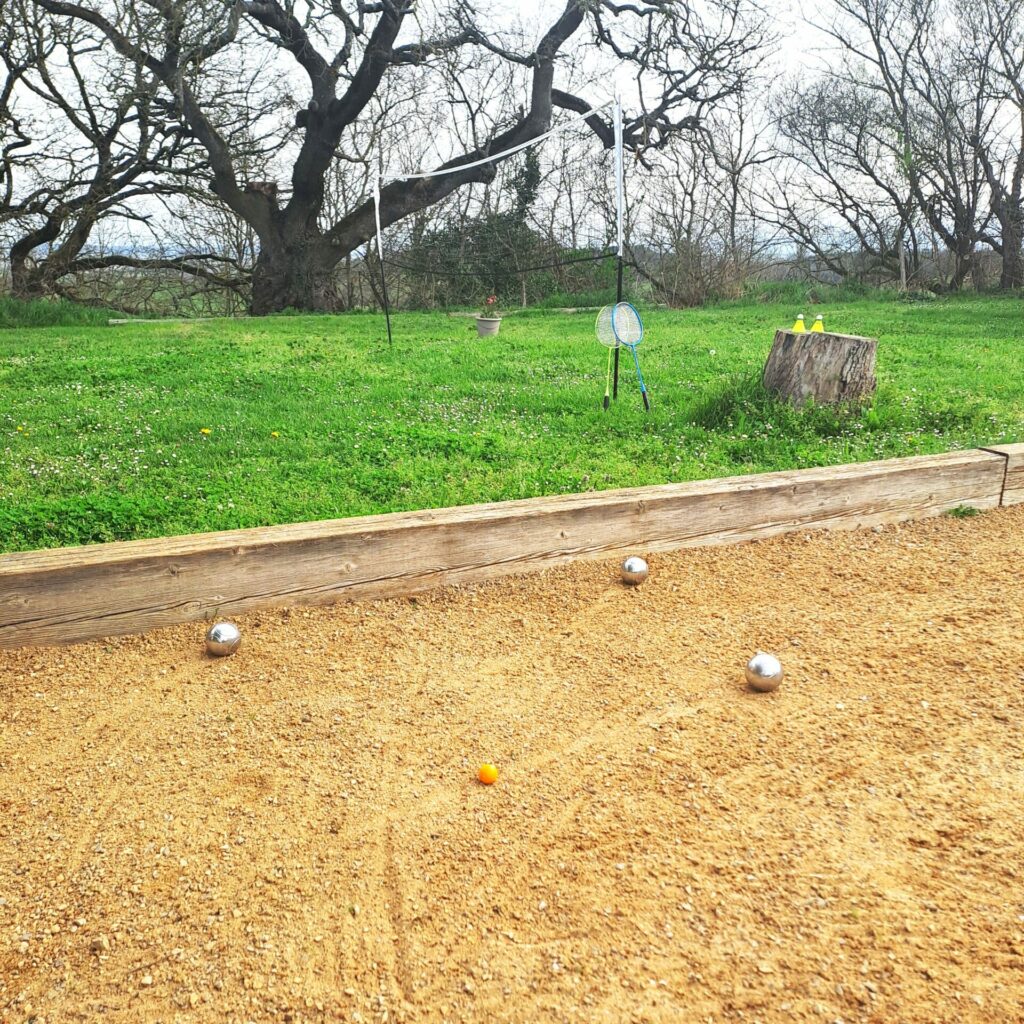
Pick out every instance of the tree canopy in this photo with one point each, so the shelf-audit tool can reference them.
(359, 67)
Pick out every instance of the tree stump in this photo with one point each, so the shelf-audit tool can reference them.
(830, 368)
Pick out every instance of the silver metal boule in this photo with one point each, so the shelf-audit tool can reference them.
(634, 570)
(222, 639)
(764, 672)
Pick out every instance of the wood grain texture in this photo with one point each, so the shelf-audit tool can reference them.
(1013, 487)
(73, 594)
(830, 368)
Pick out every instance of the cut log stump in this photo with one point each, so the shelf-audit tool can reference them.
(830, 368)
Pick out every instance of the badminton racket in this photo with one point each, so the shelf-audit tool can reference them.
(620, 325)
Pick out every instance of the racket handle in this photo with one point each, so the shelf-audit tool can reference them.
(607, 402)
(647, 401)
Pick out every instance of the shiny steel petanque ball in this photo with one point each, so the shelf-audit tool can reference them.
(634, 570)
(222, 639)
(764, 672)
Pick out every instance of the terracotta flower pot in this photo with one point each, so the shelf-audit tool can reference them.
(486, 326)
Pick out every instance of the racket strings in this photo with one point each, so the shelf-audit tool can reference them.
(626, 324)
(605, 329)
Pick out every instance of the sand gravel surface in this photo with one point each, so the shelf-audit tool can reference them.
(296, 833)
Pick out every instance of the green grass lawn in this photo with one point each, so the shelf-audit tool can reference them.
(102, 428)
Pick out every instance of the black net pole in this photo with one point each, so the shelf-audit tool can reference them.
(384, 293)
(618, 298)
(380, 256)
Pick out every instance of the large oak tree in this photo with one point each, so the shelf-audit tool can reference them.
(348, 52)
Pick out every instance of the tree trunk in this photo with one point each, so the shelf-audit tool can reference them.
(298, 276)
(828, 368)
(28, 279)
(979, 278)
(26, 282)
(1012, 275)
(33, 279)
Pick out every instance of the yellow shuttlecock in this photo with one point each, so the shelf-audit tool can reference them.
(799, 327)
(819, 324)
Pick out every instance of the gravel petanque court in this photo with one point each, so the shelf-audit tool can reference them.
(296, 833)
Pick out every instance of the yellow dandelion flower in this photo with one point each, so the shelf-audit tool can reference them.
(274, 433)
(20, 429)
(204, 430)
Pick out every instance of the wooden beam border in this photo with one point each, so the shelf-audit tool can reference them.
(68, 595)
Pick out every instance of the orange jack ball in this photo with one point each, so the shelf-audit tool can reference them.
(488, 774)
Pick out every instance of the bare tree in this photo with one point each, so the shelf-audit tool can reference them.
(841, 189)
(345, 51)
(900, 49)
(99, 141)
(15, 135)
(902, 157)
(695, 231)
(992, 55)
